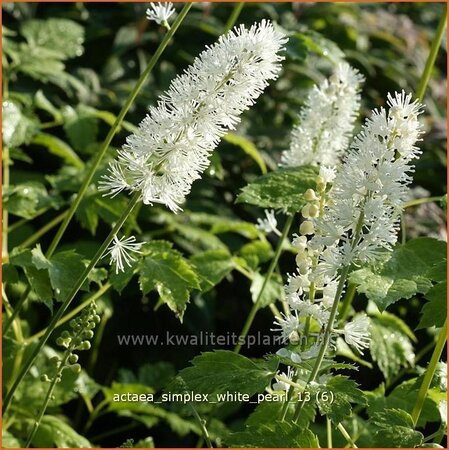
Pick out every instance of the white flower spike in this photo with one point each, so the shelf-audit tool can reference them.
(171, 148)
(120, 250)
(326, 120)
(269, 224)
(160, 12)
(371, 185)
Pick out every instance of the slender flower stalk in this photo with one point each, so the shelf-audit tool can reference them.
(171, 148)
(172, 145)
(98, 158)
(326, 121)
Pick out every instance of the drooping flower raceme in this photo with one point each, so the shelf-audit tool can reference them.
(160, 12)
(172, 145)
(326, 121)
(120, 252)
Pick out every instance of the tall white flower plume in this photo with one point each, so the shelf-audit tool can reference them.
(370, 187)
(326, 120)
(172, 145)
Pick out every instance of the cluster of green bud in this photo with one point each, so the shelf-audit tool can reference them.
(75, 339)
(311, 210)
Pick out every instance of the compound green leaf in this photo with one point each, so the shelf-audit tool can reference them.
(334, 398)
(407, 272)
(222, 370)
(395, 429)
(62, 36)
(390, 346)
(434, 312)
(278, 435)
(212, 266)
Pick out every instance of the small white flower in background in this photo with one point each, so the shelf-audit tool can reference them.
(269, 224)
(120, 250)
(357, 333)
(326, 121)
(171, 148)
(281, 385)
(160, 12)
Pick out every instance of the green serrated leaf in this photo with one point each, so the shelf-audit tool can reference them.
(222, 370)
(17, 128)
(166, 271)
(278, 435)
(395, 429)
(344, 391)
(59, 148)
(81, 131)
(267, 411)
(434, 312)
(390, 347)
(53, 432)
(255, 253)
(212, 266)
(64, 270)
(9, 440)
(62, 36)
(317, 43)
(404, 397)
(38, 279)
(28, 199)
(404, 274)
(283, 188)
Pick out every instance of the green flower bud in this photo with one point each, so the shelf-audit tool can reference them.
(73, 358)
(76, 368)
(44, 378)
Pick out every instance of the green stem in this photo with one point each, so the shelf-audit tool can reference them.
(347, 301)
(430, 372)
(17, 309)
(346, 435)
(332, 315)
(423, 82)
(202, 425)
(58, 315)
(327, 336)
(420, 201)
(72, 313)
(45, 229)
(115, 127)
(329, 432)
(234, 16)
(54, 381)
(5, 217)
(256, 305)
